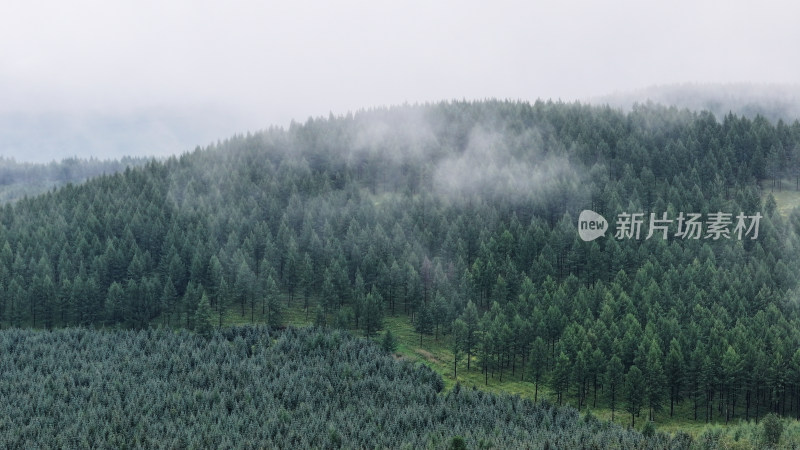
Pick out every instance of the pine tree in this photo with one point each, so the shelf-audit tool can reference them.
(389, 343)
(655, 380)
(373, 313)
(320, 318)
(731, 369)
(270, 303)
(223, 297)
(538, 362)
(244, 287)
(614, 382)
(169, 298)
(634, 392)
(306, 277)
(114, 301)
(424, 323)
(457, 344)
(202, 319)
(560, 376)
(674, 373)
(189, 303)
(470, 318)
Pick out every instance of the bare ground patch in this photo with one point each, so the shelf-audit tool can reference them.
(427, 355)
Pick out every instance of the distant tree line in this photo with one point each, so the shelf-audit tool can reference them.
(20, 179)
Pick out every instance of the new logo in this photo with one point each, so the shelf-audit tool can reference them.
(591, 225)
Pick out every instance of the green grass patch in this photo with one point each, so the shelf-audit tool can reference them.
(435, 352)
(786, 195)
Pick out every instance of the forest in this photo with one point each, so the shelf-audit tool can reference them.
(460, 218)
(252, 388)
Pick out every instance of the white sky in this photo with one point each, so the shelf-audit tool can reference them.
(266, 63)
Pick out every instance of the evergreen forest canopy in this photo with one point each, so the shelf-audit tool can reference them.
(461, 217)
(242, 389)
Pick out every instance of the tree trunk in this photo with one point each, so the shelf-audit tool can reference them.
(500, 361)
(758, 401)
(747, 406)
(513, 363)
(671, 402)
(612, 409)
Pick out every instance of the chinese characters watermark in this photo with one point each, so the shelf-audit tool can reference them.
(687, 226)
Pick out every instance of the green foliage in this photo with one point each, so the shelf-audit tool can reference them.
(459, 343)
(614, 382)
(634, 392)
(389, 343)
(320, 319)
(649, 429)
(424, 323)
(457, 443)
(773, 429)
(304, 388)
(445, 211)
(560, 377)
(373, 313)
(203, 321)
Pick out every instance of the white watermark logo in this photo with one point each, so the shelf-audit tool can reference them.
(688, 226)
(591, 225)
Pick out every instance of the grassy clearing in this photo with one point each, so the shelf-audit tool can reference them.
(436, 354)
(786, 195)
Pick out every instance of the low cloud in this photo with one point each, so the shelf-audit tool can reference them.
(489, 166)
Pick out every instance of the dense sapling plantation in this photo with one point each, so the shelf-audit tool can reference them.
(248, 388)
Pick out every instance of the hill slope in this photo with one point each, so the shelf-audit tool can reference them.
(455, 211)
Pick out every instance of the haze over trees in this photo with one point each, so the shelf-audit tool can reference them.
(772, 101)
(18, 179)
(448, 213)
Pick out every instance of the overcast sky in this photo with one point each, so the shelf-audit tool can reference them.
(244, 65)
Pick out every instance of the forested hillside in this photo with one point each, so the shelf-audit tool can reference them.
(461, 217)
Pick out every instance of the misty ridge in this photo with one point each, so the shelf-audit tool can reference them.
(483, 154)
(469, 153)
(773, 101)
(493, 158)
(42, 137)
(20, 179)
(489, 157)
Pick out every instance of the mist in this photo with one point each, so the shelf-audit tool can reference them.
(772, 101)
(107, 79)
(489, 166)
(158, 132)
